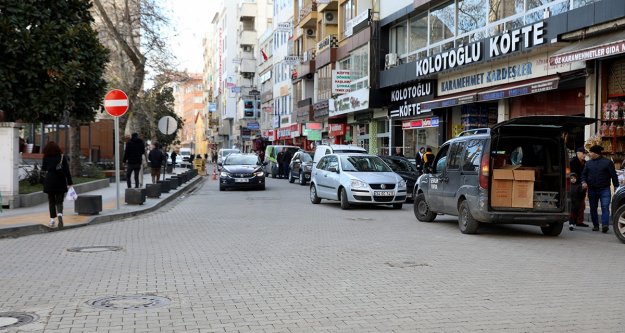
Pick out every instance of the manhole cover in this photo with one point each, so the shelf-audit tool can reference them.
(94, 249)
(14, 319)
(131, 302)
(407, 264)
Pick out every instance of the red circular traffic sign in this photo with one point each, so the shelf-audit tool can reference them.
(116, 103)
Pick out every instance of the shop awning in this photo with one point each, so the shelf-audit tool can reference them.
(514, 90)
(591, 48)
(448, 102)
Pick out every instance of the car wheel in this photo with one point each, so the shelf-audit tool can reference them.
(398, 205)
(422, 210)
(552, 229)
(618, 223)
(291, 178)
(302, 179)
(344, 202)
(466, 222)
(313, 195)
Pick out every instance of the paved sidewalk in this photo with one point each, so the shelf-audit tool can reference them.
(29, 220)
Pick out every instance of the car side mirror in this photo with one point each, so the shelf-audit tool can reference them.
(219, 163)
(333, 169)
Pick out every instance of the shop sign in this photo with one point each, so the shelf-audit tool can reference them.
(503, 72)
(420, 123)
(362, 17)
(253, 125)
(314, 135)
(292, 60)
(405, 102)
(518, 91)
(284, 27)
(449, 102)
(600, 51)
(341, 81)
(329, 41)
(295, 131)
(322, 113)
(212, 107)
(269, 134)
(336, 129)
(350, 102)
(284, 90)
(314, 126)
(321, 105)
(411, 92)
(511, 41)
(284, 133)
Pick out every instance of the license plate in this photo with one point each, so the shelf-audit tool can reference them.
(241, 180)
(384, 193)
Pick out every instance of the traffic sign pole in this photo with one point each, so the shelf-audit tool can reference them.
(117, 162)
(116, 104)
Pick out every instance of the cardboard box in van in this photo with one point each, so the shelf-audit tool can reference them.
(512, 187)
(523, 189)
(501, 188)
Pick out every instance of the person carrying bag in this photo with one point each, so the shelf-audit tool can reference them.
(57, 182)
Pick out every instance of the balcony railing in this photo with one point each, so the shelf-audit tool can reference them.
(308, 8)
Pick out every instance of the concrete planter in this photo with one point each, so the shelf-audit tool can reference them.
(37, 198)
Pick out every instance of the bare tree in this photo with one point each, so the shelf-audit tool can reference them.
(135, 29)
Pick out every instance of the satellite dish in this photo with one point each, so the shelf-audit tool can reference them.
(167, 125)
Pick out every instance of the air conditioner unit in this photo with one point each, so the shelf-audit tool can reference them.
(310, 32)
(330, 18)
(390, 60)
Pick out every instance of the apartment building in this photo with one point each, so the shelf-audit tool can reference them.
(450, 66)
(189, 104)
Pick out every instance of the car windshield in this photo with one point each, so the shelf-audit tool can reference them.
(228, 152)
(400, 165)
(364, 164)
(237, 159)
(305, 157)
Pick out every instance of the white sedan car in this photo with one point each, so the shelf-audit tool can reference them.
(356, 179)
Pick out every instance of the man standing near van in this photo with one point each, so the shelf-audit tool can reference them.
(577, 164)
(419, 159)
(596, 177)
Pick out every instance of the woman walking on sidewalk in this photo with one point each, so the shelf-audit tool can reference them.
(58, 180)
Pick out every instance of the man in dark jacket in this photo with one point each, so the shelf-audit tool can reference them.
(173, 158)
(419, 159)
(577, 167)
(133, 157)
(596, 177)
(286, 160)
(155, 157)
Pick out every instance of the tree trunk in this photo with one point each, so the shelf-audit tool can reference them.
(74, 147)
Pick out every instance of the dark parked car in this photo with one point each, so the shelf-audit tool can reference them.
(618, 213)
(476, 175)
(405, 168)
(300, 167)
(241, 171)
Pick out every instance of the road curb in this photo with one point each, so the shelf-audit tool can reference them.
(33, 229)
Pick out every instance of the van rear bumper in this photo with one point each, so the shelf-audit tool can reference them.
(525, 218)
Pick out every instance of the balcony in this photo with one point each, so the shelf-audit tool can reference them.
(247, 10)
(308, 15)
(247, 37)
(247, 66)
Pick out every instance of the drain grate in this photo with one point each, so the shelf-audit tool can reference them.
(406, 264)
(91, 249)
(129, 302)
(15, 319)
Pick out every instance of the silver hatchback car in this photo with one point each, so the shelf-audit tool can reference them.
(356, 179)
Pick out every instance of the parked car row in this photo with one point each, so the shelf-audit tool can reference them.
(515, 172)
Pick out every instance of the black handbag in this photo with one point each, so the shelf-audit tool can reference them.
(60, 165)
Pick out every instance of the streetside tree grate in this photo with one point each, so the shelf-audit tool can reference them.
(129, 302)
(15, 319)
(93, 249)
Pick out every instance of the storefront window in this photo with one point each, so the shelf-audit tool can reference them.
(359, 61)
(398, 38)
(324, 83)
(418, 32)
(442, 22)
(420, 137)
(471, 15)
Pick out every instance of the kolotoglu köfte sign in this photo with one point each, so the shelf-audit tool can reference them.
(511, 41)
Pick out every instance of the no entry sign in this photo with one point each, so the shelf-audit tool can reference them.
(116, 103)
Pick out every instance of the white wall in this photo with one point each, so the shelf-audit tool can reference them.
(389, 7)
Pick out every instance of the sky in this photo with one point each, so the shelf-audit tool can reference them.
(190, 20)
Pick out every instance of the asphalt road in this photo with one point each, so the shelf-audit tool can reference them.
(270, 261)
